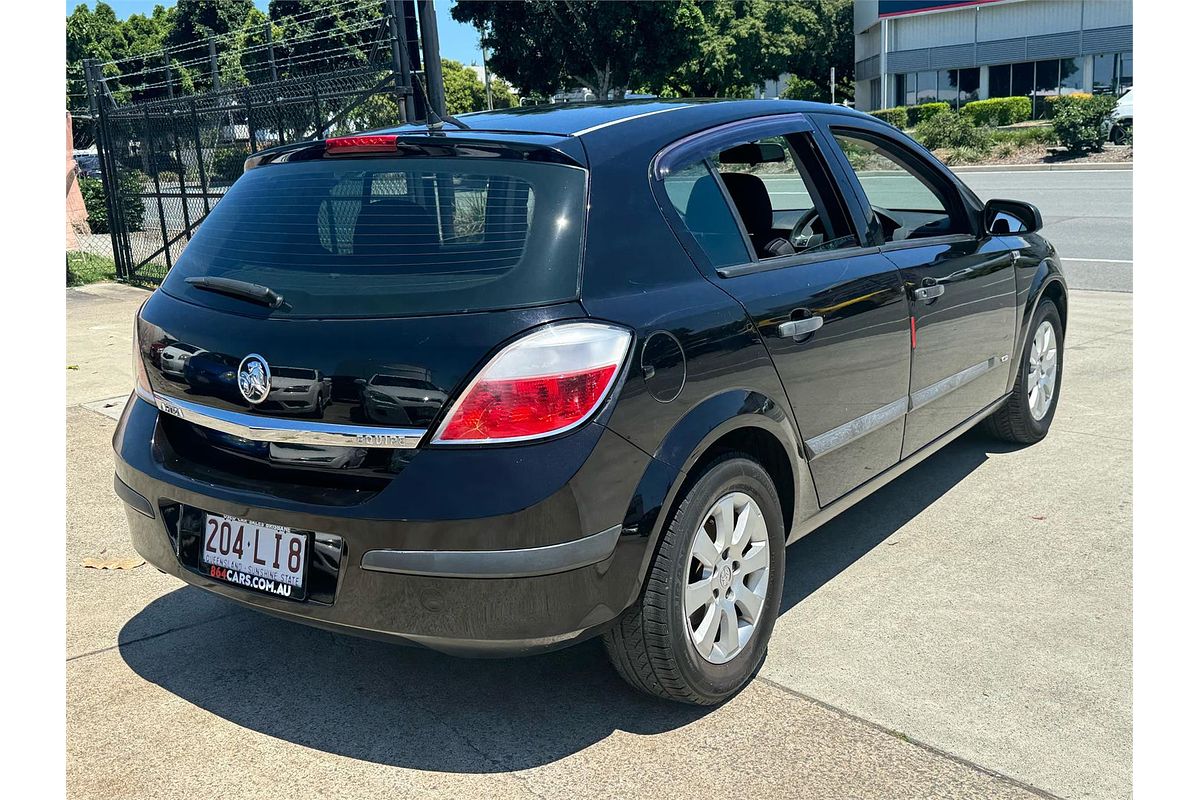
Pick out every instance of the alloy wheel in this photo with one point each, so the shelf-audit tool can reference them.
(727, 576)
(1043, 370)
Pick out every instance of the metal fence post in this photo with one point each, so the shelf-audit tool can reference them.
(212, 65)
(200, 157)
(108, 174)
(162, 217)
(250, 121)
(187, 214)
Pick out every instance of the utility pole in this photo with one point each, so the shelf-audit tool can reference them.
(212, 65)
(167, 73)
(434, 87)
(271, 51)
(400, 63)
(487, 77)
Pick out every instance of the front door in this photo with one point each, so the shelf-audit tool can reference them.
(961, 282)
(831, 312)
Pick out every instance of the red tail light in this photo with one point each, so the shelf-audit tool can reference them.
(380, 143)
(545, 383)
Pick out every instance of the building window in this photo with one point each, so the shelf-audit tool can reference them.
(1022, 80)
(968, 85)
(926, 87)
(1070, 76)
(1126, 76)
(1000, 80)
(1104, 73)
(1045, 85)
(953, 86)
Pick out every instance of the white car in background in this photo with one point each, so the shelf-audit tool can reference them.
(175, 357)
(1120, 121)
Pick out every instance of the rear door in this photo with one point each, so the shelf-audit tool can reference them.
(960, 281)
(832, 313)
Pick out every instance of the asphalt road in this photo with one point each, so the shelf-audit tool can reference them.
(1088, 215)
(965, 632)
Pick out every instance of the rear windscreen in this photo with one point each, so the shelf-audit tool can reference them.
(395, 236)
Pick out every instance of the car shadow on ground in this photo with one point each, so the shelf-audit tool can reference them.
(414, 708)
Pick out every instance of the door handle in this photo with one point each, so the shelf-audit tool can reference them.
(929, 292)
(797, 328)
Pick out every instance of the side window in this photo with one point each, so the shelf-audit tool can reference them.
(907, 203)
(786, 202)
(698, 200)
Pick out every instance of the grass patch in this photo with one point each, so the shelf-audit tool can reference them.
(85, 268)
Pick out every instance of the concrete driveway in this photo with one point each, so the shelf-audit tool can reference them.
(963, 633)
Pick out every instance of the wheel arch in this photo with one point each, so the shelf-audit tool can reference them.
(739, 420)
(1047, 282)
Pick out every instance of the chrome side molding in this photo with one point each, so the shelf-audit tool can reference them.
(284, 431)
(872, 421)
(856, 428)
(946, 385)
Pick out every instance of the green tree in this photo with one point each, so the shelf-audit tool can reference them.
(91, 34)
(544, 46)
(319, 36)
(742, 43)
(194, 22)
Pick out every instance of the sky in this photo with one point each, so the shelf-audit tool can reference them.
(459, 42)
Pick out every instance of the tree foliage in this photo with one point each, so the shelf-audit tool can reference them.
(543, 46)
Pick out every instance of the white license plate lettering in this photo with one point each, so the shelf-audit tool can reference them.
(265, 555)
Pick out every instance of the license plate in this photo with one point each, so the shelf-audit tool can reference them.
(269, 558)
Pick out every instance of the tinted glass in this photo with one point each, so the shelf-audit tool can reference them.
(395, 237)
(1070, 75)
(1000, 80)
(911, 208)
(1104, 73)
(1126, 79)
(947, 86)
(1022, 79)
(968, 85)
(1045, 85)
(697, 199)
(926, 87)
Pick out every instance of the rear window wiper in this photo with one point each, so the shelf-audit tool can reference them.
(254, 292)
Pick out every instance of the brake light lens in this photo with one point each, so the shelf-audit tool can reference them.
(141, 381)
(384, 143)
(545, 383)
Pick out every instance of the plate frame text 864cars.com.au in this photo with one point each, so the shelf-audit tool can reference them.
(257, 555)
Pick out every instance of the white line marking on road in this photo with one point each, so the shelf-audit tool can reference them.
(1102, 260)
(1039, 171)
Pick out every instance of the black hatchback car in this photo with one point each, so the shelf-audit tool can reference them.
(584, 370)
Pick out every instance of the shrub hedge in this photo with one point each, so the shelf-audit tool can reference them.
(920, 113)
(951, 130)
(1079, 119)
(998, 111)
(129, 201)
(896, 117)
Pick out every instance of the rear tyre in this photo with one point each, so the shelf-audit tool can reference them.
(699, 631)
(1118, 135)
(1025, 418)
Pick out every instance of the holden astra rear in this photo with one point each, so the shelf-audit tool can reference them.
(495, 390)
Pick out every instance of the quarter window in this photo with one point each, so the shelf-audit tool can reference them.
(697, 199)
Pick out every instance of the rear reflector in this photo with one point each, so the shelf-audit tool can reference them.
(545, 383)
(385, 143)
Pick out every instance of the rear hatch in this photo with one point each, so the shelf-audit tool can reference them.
(392, 276)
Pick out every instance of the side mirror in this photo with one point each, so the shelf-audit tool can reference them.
(1002, 217)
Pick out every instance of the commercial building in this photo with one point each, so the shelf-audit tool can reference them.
(908, 52)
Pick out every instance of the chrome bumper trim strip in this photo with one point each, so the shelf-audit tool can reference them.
(523, 563)
(285, 431)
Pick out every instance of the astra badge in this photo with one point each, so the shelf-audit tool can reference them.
(254, 378)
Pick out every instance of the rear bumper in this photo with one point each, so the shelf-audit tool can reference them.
(461, 598)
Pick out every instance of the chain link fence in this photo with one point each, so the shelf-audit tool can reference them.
(160, 165)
